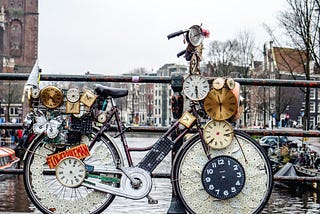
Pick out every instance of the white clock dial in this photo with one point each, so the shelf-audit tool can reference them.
(35, 93)
(218, 134)
(70, 172)
(195, 87)
(73, 95)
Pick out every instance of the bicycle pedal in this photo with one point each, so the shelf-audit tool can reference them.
(151, 200)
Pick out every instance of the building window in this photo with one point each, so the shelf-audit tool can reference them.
(312, 107)
(312, 93)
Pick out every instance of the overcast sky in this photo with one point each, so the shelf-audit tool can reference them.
(114, 37)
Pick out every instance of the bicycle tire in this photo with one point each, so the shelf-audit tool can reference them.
(49, 196)
(190, 161)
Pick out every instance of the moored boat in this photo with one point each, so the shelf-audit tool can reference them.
(8, 159)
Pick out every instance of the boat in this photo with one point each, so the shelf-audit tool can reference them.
(8, 160)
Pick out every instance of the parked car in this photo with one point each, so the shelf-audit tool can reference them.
(274, 141)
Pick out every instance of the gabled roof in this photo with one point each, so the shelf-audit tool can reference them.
(289, 60)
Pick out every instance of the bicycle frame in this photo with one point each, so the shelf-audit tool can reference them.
(163, 146)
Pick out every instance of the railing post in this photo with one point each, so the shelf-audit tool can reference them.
(176, 205)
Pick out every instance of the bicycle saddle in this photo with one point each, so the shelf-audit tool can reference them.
(106, 91)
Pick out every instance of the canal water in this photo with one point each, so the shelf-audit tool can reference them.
(298, 199)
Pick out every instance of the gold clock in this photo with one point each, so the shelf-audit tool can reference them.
(51, 97)
(218, 134)
(221, 104)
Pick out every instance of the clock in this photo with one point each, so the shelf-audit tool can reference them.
(218, 134)
(88, 98)
(72, 107)
(195, 35)
(196, 87)
(51, 97)
(223, 177)
(230, 83)
(221, 104)
(35, 92)
(218, 83)
(102, 117)
(70, 172)
(73, 95)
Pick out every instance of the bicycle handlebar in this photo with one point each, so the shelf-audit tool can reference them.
(178, 33)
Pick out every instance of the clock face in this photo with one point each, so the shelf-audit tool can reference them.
(218, 134)
(73, 95)
(195, 35)
(70, 172)
(218, 83)
(35, 93)
(223, 177)
(195, 87)
(221, 104)
(51, 97)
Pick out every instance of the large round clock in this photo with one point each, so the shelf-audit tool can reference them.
(218, 134)
(223, 177)
(51, 97)
(195, 35)
(196, 87)
(221, 104)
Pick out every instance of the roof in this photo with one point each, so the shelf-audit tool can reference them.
(289, 60)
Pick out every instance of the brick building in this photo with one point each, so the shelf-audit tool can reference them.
(18, 35)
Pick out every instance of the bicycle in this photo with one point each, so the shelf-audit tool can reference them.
(73, 166)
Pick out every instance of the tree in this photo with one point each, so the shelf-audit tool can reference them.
(300, 23)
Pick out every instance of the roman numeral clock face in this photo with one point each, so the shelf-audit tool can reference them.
(195, 87)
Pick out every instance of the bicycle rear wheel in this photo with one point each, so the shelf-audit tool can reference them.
(191, 161)
(50, 196)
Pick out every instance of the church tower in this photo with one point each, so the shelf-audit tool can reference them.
(18, 35)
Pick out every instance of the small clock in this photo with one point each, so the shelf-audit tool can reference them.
(221, 104)
(51, 97)
(230, 83)
(35, 93)
(88, 98)
(195, 35)
(218, 83)
(72, 107)
(73, 95)
(218, 134)
(102, 117)
(70, 172)
(196, 87)
(223, 177)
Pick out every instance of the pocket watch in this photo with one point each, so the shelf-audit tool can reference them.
(73, 95)
(196, 87)
(223, 177)
(221, 104)
(218, 134)
(51, 97)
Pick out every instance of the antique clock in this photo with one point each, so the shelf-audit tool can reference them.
(73, 95)
(51, 97)
(196, 87)
(218, 134)
(195, 35)
(88, 98)
(223, 177)
(221, 104)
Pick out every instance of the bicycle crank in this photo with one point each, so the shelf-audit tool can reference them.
(135, 183)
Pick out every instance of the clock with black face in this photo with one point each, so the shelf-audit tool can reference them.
(223, 177)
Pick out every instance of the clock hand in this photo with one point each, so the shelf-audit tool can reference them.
(196, 90)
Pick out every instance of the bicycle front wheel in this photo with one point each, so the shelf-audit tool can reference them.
(191, 162)
(50, 196)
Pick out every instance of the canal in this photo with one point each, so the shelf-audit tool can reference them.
(297, 199)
